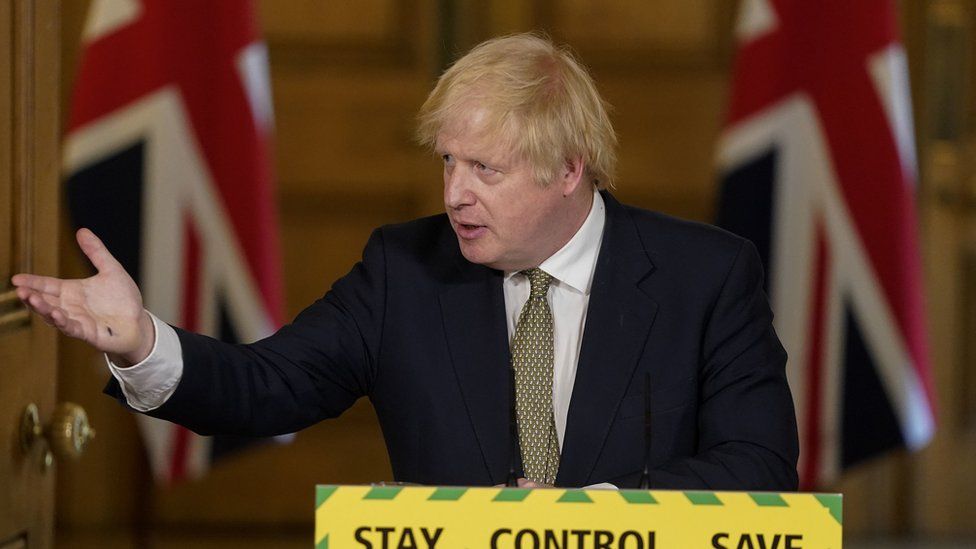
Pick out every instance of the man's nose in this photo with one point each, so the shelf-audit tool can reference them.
(457, 188)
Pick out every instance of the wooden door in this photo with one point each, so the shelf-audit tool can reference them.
(29, 161)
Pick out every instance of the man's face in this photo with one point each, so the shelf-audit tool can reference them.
(502, 217)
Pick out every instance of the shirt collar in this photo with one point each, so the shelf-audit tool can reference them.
(575, 262)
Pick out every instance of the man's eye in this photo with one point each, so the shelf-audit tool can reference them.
(448, 159)
(483, 169)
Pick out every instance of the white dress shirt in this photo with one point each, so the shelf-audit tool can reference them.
(148, 384)
(572, 270)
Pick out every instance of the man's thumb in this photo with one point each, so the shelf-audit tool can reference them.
(95, 250)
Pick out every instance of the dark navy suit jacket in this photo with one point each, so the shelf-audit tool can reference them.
(422, 333)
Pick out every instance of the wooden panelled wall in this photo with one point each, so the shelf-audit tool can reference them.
(347, 79)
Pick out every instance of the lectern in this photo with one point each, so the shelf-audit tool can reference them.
(399, 517)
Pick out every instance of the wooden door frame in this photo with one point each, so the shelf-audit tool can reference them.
(29, 174)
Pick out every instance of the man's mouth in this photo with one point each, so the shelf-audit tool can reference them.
(469, 231)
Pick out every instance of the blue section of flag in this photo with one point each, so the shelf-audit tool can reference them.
(869, 425)
(746, 204)
(106, 197)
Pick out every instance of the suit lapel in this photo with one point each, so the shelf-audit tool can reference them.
(618, 320)
(474, 323)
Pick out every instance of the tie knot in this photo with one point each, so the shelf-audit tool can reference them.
(539, 281)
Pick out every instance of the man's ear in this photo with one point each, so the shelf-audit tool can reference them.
(573, 175)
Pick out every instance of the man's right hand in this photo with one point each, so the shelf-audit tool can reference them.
(104, 310)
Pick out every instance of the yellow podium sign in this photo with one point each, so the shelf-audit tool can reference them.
(397, 517)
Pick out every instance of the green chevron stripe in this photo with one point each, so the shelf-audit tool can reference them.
(324, 544)
(383, 492)
(766, 499)
(703, 498)
(834, 504)
(512, 494)
(447, 494)
(634, 496)
(574, 496)
(322, 493)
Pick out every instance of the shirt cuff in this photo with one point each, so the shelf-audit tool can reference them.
(149, 384)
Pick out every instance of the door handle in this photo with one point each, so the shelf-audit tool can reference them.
(65, 437)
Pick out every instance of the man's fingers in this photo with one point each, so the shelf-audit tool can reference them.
(46, 307)
(23, 293)
(49, 309)
(96, 251)
(64, 324)
(68, 326)
(52, 300)
(58, 319)
(46, 284)
(71, 326)
(45, 310)
(39, 304)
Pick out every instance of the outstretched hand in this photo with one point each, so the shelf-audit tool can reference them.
(104, 310)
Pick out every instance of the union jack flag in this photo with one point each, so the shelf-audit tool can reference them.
(168, 160)
(818, 166)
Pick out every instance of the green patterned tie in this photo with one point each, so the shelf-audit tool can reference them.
(532, 356)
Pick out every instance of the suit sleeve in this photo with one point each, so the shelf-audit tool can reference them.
(747, 436)
(312, 369)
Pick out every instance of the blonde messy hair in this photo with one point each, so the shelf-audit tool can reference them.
(539, 100)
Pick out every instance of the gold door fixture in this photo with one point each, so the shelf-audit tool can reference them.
(65, 437)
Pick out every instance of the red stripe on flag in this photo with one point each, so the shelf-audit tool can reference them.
(181, 448)
(816, 363)
(190, 321)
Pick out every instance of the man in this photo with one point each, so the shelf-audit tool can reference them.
(532, 268)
